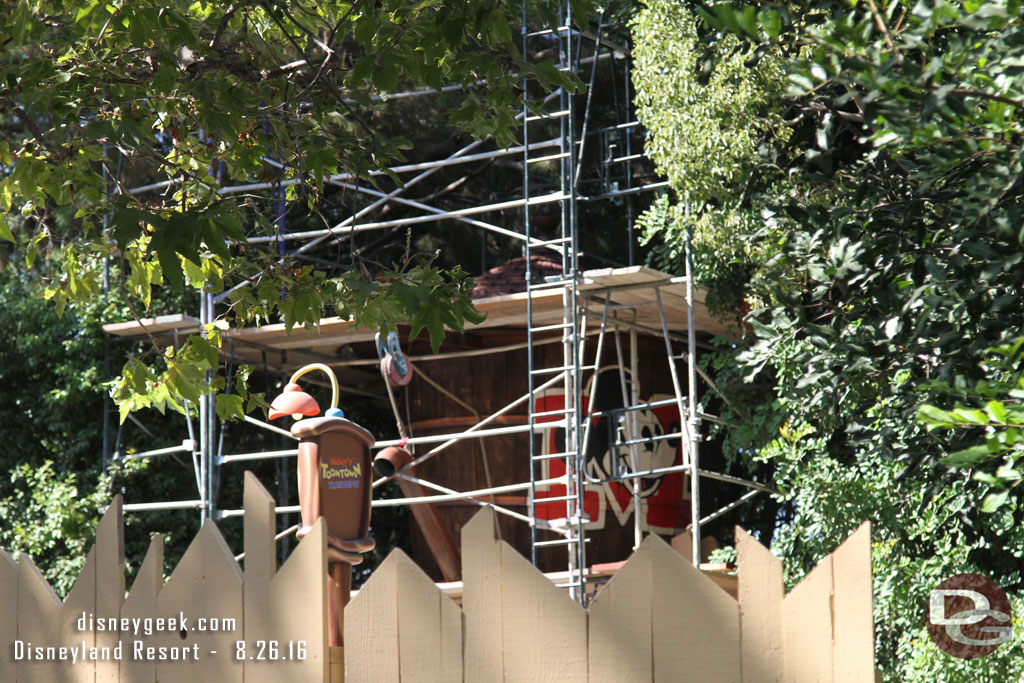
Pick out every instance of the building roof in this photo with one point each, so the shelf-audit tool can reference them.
(510, 277)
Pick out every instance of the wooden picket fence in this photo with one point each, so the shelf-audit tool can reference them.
(287, 606)
(658, 619)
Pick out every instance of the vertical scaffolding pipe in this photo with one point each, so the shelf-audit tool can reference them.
(211, 431)
(691, 367)
(204, 409)
(634, 385)
(683, 422)
(529, 301)
(571, 337)
(628, 132)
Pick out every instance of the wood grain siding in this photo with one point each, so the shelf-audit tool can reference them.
(658, 619)
(853, 658)
(620, 637)
(760, 595)
(285, 605)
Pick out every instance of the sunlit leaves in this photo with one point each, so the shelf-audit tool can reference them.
(101, 98)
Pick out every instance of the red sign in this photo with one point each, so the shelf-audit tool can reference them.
(664, 498)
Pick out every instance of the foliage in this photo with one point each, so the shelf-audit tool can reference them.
(50, 412)
(47, 516)
(190, 97)
(707, 102)
(999, 417)
(883, 265)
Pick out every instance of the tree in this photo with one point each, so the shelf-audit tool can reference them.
(870, 202)
(102, 98)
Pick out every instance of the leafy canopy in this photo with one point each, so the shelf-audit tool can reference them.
(877, 165)
(125, 124)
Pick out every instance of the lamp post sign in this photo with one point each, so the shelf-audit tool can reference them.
(333, 473)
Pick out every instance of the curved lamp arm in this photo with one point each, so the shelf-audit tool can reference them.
(319, 366)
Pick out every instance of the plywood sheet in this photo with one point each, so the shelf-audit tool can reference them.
(287, 606)
(854, 622)
(691, 615)
(109, 584)
(140, 604)
(371, 629)
(8, 615)
(39, 619)
(206, 584)
(545, 631)
(620, 637)
(761, 591)
(807, 627)
(81, 601)
(163, 323)
(481, 600)
(509, 310)
(429, 626)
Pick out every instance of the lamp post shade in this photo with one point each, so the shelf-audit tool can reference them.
(295, 402)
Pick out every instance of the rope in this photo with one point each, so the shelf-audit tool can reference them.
(402, 432)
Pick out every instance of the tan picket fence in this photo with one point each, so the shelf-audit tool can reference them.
(658, 619)
(259, 625)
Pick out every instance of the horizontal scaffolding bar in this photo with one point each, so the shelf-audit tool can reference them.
(404, 168)
(481, 503)
(684, 468)
(187, 446)
(434, 438)
(433, 209)
(280, 510)
(548, 115)
(553, 456)
(727, 508)
(549, 157)
(554, 499)
(640, 406)
(494, 490)
(621, 193)
(269, 427)
(413, 220)
(261, 455)
(490, 418)
(458, 436)
(560, 541)
(650, 439)
(490, 350)
(169, 505)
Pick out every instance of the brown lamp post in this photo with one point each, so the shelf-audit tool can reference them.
(334, 483)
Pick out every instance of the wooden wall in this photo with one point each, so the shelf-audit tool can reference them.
(267, 604)
(489, 383)
(658, 619)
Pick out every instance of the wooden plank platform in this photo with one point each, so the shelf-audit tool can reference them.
(632, 285)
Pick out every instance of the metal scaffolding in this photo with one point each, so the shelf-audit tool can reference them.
(582, 306)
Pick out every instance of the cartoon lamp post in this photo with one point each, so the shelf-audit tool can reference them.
(333, 473)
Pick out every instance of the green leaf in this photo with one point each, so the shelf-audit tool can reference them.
(230, 406)
(969, 457)
(994, 501)
(996, 411)
(5, 231)
(934, 417)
